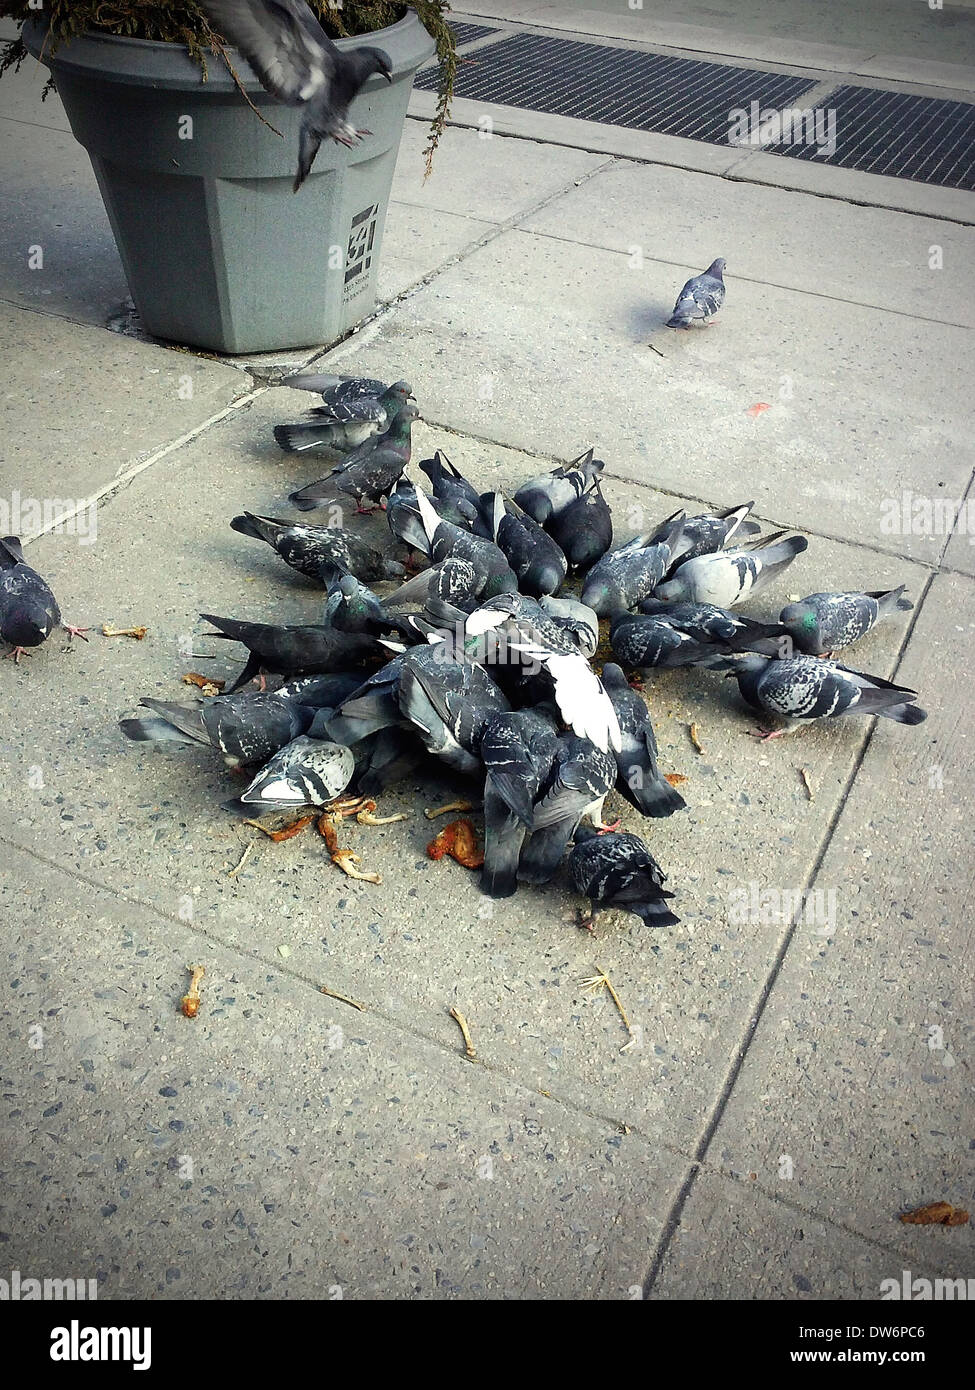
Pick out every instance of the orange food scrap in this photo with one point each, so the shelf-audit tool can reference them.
(190, 1002)
(936, 1214)
(674, 778)
(757, 408)
(459, 840)
(205, 683)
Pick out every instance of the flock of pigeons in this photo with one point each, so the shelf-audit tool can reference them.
(484, 658)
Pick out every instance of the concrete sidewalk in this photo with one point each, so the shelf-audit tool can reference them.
(798, 1079)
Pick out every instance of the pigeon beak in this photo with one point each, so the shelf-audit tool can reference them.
(388, 76)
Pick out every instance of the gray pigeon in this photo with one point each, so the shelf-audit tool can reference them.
(29, 612)
(640, 642)
(827, 622)
(681, 634)
(369, 471)
(729, 576)
(245, 728)
(805, 687)
(288, 650)
(455, 498)
(372, 706)
(619, 871)
(299, 64)
(518, 751)
(343, 425)
(403, 517)
(450, 701)
(639, 778)
(576, 619)
(584, 530)
(624, 576)
(577, 786)
(706, 622)
(535, 556)
(702, 535)
(353, 607)
(307, 772)
(701, 297)
(340, 390)
(445, 539)
(321, 552)
(550, 493)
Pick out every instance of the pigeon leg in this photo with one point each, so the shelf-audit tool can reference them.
(586, 923)
(73, 631)
(286, 832)
(635, 682)
(17, 653)
(763, 735)
(603, 829)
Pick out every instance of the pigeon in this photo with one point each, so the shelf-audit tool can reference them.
(445, 539)
(703, 535)
(288, 650)
(529, 637)
(245, 728)
(576, 619)
(343, 425)
(656, 637)
(701, 297)
(518, 751)
(369, 471)
(624, 576)
(384, 758)
(577, 786)
(306, 772)
(729, 576)
(352, 607)
(536, 558)
(372, 706)
(29, 612)
(619, 871)
(450, 701)
(550, 493)
(341, 390)
(805, 687)
(296, 62)
(584, 530)
(321, 552)
(456, 500)
(639, 778)
(640, 641)
(826, 622)
(403, 517)
(706, 622)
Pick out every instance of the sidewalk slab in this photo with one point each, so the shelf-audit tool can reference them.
(149, 823)
(860, 1070)
(886, 255)
(734, 1242)
(855, 432)
(280, 1145)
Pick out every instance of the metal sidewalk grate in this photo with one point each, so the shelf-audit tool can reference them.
(927, 139)
(467, 33)
(618, 86)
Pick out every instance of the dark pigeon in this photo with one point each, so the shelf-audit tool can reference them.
(584, 530)
(827, 622)
(619, 871)
(576, 787)
(639, 778)
(450, 701)
(455, 499)
(706, 622)
(343, 425)
(353, 607)
(245, 728)
(550, 493)
(620, 579)
(288, 650)
(729, 576)
(29, 612)
(370, 471)
(641, 642)
(321, 552)
(518, 751)
(445, 539)
(535, 556)
(701, 297)
(372, 706)
(299, 64)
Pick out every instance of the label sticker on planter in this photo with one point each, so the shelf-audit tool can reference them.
(358, 259)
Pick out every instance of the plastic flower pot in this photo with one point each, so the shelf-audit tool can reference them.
(217, 251)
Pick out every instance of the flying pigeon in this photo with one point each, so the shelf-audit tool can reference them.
(529, 637)
(296, 62)
(805, 687)
(450, 701)
(306, 772)
(550, 493)
(536, 558)
(826, 622)
(729, 576)
(369, 471)
(639, 778)
(518, 751)
(341, 390)
(343, 425)
(577, 787)
(701, 297)
(321, 552)
(619, 871)
(29, 612)
(245, 728)
(584, 530)
(288, 650)
(624, 576)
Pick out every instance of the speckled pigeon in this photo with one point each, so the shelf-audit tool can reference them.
(639, 778)
(245, 728)
(577, 786)
(624, 576)
(343, 425)
(307, 772)
(806, 687)
(576, 619)
(518, 751)
(641, 642)
(29, 612)
(340, 390)
(450, 701)
(701, 297)
(370, 471)
(827, 622)
(617, 870)
(729, 576)
(711, 531)
(321, 552)
(300, 65)
(445, 539)
(706, 622)
(550, 493)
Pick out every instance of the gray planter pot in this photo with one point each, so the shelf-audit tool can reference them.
(218, 252)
